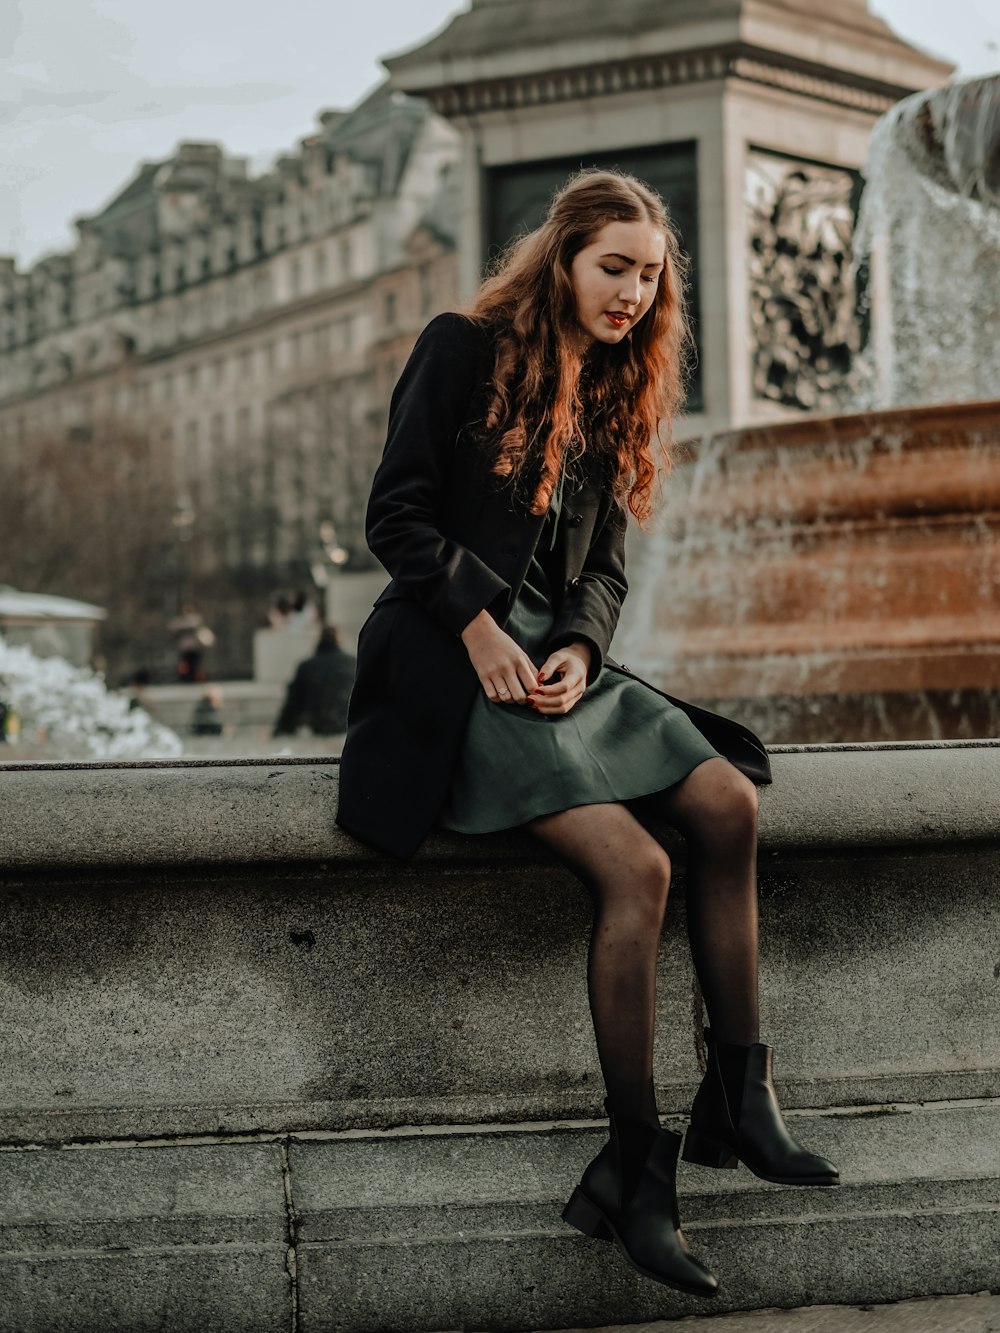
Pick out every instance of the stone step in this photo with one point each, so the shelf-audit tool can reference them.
(979, 1313)
(449, 1228)
(473, 1238)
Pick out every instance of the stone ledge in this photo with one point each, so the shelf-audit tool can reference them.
(400, 1233)
(349, 994)
(281, 811)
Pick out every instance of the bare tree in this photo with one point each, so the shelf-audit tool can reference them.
(89, 515)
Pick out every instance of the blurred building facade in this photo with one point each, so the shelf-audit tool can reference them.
(250, 329)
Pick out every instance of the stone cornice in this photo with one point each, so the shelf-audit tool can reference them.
(197, 813)
(646, 73)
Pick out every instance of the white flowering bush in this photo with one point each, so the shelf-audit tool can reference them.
(70, 712)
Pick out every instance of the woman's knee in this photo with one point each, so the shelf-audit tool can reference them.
(649, 878)
(742, 801)
(727, 808)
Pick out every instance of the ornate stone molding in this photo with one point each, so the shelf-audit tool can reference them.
(642, 73)
(871, 98)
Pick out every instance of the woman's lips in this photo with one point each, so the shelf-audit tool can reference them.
(618, 320)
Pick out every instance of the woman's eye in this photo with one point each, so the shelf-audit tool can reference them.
(649, 278)
(612, 272)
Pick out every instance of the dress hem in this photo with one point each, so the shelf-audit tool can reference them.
(576, 805)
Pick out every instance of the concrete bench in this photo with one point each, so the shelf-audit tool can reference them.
(251, 1068)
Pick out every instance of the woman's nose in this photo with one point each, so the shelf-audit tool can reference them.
(628, 294)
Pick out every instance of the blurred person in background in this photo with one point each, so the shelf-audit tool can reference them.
(320, 690)
(193, 637)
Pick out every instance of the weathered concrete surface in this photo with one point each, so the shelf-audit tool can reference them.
(447, 1229)
(475, 1241)
(226, 1289)
(472, 1239)
(137, 1239)
(356, 991)
(161, 1007)
(928, 1314)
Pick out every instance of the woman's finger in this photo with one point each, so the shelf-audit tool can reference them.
(573, 679)
(506, 688)
(558, 706)
(527, 675)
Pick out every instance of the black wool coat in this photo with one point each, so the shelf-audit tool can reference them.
(457, 539)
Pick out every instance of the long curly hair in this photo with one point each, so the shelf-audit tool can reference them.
(549, 397)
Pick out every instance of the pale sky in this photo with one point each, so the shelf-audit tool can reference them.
(89, 88)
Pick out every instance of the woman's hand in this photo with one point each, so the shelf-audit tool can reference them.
(573, 662)
(505, 670)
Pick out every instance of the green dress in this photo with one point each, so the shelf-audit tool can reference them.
(621, 740)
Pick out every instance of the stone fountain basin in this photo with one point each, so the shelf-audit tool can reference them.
(856, 553)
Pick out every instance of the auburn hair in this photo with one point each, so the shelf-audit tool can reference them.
(549, 397)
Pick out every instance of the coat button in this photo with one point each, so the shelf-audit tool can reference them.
(573, 583)
(576, 520)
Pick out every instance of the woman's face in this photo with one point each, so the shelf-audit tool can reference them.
(615, 278)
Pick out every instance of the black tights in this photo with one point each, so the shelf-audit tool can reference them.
(627, 873)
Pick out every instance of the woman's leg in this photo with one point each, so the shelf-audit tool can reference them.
(735, 1113)
(628, 1191)
(715, 807)
(627, 874)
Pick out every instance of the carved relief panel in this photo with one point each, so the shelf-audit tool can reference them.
(807, 324)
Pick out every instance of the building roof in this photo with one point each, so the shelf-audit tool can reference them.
(556, 34)
(380, 132)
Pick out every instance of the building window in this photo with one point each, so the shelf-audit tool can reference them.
(319, 267)
(295, 278)
(390, 309)
(192, 379)
(344, 251)
(245, 365)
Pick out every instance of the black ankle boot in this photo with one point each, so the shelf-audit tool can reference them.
(641, 1217)
(738, 1119)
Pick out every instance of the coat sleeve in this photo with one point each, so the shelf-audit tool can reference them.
(429, 407)
(593, 602)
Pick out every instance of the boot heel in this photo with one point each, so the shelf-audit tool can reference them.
(703, 1150)
(583, 1215)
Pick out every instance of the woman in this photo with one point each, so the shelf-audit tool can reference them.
(520, 436)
